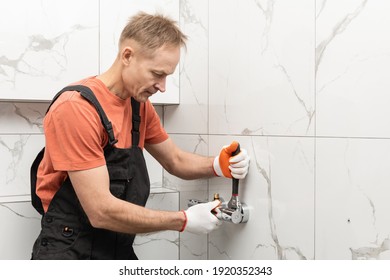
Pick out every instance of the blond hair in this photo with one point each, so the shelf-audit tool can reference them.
(153, 31)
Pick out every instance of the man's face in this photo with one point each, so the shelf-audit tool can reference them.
(146, 73)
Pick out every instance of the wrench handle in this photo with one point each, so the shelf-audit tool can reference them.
(235, 181)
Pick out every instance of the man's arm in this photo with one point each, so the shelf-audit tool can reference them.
(180, 163)
(106, 211)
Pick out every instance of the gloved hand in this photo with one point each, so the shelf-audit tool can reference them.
(199, 218)
(228, 166)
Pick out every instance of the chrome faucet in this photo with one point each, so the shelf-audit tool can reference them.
(236, 214)
(233, 211)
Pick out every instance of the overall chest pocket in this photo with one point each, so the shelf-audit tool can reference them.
(119, 188)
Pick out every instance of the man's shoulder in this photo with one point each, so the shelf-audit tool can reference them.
(69, 99)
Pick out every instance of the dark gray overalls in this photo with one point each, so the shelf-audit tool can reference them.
(66, 232)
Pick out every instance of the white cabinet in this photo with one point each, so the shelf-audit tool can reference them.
(47, 46)
(50, 44)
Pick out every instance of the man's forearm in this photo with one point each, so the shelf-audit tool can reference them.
(106, 211)
(180, 163)
(122, 216)
(192, 166)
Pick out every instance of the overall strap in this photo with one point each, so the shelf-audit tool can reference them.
(136, 118)
(87, 93)
(55, 98)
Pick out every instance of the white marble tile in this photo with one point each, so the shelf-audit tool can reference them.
(16, 118)
(21, 226)
(191, 143)
(191, 116)
(162, 245)
(352, 75)
(155, 169)
(17, 154)
(279, 191)
(46, 45)
(261, 59)
(114, 15)
(192, 246)
(352, 199)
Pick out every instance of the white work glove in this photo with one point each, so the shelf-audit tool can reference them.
(231, 167)
(199, 218)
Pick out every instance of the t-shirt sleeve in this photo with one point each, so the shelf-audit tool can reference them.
(74, 136)
(155, 132)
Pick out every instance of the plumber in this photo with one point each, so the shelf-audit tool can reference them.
(90, 182)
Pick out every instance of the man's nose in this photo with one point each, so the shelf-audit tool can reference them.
(160, 85)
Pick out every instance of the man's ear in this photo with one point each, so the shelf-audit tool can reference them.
(127, 54)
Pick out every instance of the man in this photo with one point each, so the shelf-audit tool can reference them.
(92, 180)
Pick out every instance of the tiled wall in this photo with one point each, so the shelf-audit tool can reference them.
(45, 46)
(303, 86)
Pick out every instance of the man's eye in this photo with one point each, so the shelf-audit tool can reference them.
(159, 75)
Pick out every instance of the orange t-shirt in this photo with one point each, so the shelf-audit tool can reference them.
(75, 137)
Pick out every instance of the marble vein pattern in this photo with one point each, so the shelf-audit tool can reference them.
(46, 55)
(23, 232)
(18, 153)
(337, 29)
(22, 118)
(164, 244)
(260, 68)
(192, 246)
(351, 71)
(279, 191)
(191, 116)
